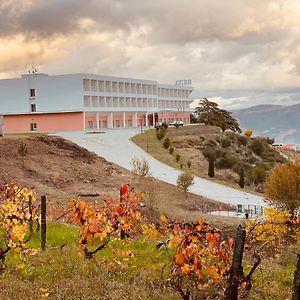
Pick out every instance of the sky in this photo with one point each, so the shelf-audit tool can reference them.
(238, 53)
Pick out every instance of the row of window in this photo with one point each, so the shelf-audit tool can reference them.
(94, 101)
(132, 88)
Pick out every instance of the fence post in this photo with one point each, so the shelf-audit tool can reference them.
(43, 222)
(231, 292)
(30, 218)
(296, 286)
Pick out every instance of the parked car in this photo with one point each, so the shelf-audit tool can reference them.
(176, 123)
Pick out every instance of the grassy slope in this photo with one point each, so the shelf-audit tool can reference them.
(186, 142)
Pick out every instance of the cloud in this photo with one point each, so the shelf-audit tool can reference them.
(238, 51)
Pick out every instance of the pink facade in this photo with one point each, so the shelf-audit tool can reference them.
(48, 122)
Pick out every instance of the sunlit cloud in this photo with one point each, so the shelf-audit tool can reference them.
(237, 52)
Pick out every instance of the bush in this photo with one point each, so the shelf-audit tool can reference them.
(243, 140)
(184, 181)
(225, 143)
(189, 163)
(177, 157)
(257, 146)
(226, 162)
(161, 133)
(140, 167)
(167, 143)
(165, 125)
(209, 153)
(259, 174)
(171, 150)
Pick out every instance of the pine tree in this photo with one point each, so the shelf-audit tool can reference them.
(211, 168)
(242, 178)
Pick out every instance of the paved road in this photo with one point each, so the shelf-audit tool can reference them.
(115, 146)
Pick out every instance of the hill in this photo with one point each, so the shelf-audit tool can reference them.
(230, 151)
(276, 121)
(62, 170)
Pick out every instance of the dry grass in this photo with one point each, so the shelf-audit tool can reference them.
(186, 142)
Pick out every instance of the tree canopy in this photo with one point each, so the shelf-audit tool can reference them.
(209, 113)
(283, 186)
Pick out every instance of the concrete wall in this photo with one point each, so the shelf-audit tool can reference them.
(53, 93)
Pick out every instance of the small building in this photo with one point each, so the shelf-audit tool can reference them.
(42, 103)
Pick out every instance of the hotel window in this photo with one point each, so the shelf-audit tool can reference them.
(33, 127)
(90, 124)
(33, 107)
(32, 93)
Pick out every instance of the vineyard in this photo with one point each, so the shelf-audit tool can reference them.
(107, 249)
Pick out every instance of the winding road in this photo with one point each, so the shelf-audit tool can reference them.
(115, 146)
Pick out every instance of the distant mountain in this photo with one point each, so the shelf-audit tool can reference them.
(276, 121)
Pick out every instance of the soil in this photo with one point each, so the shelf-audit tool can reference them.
(62, 170)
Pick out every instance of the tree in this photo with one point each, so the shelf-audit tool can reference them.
(242, 178)
(209, 113)
(248, 133)
(22, 151)
(283, 186)
(211, 168)
(184, 181)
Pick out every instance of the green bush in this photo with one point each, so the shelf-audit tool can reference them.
(209, 153)
(243, 140)
(177, 157)
(225, 143)
(257, 146)
(171, 150)
(259, 174)
(161, 133)
(167, 143)
(226, 162)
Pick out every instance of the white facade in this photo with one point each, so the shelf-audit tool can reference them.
(93, 95)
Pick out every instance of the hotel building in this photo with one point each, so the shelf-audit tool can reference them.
(43, 103)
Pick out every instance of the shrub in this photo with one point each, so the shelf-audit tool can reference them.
(211, 168)
(177, 157)
(257, 146)
(165, 125)
(189, 163)
(209, 153)
(243, 140)
(140, 167)
(184, 181)
(167, 143)
(226, 162)
(259, 174)
(225, 143)
(22, 151)
(161, 133)
(171, 150)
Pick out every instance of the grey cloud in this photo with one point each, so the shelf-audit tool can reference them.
(170, 21)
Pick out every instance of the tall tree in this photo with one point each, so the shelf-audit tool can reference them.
(283, 186)
(242, 178)
(209, 114)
